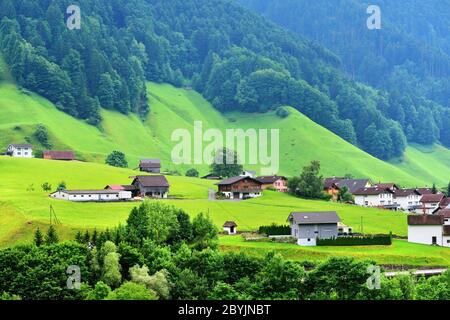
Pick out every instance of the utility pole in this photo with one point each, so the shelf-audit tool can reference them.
(362, 226)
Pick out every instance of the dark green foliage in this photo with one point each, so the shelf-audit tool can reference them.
(192, 173)
(46, 187)
(275, 230)
(282, 112)
(226, 168)
(434, 189)
(117, 159)
(204, 232)
(41, 135)
(51, 237)
(309, 184)
(344, 195)
(38, 237)
(61, 186)
(382, 240)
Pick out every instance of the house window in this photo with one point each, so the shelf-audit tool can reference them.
(309, 239)
(448, 241)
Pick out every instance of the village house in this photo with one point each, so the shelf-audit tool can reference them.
(151, 186)
(150, 165)
(20, 150)
(230, 227)
(58, 155)
(92, 195)
(240, 187)
(429, 203)
(430, 229)
(277, 183)
(407, 199)
(307, 227)
(443, 205)
(382, 197)
(333, 185)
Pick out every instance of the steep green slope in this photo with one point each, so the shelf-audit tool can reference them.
(301, 140)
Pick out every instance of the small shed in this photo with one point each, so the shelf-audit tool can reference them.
(230, 227)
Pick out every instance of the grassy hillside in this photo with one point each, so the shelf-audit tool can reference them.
(301, 140)
(24, 206)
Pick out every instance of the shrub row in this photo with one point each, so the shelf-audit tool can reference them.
(384, 240)
(275, 230)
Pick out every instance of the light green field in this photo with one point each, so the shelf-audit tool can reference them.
(400, 252)
(21, 209)
(301, 140)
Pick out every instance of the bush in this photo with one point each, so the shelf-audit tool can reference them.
(275, 230)
(383, 240)
(283, 112)
(192, 173)
(117, 159)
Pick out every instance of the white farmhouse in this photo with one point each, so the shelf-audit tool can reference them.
(430, 229)
(230, 227)
(20, 150)
(92, 195)
(407, 199)
(430, 203)
(376, 197)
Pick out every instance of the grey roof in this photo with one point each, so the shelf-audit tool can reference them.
(21, 145)
(352, 184)
(269, 179)
(372, 191)
(406, 192)
(314, 217)
(91, 191)
(152, 181)
(150, 163)
(230, 224)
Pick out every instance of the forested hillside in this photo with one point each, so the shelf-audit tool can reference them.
(236, 59)
(409, 58)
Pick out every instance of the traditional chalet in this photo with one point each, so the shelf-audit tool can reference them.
(240, 188)
(211, 176)
(429, 203)
(332, 186)
(58, 155)
(230, 227)
(407, 199)
(151, 186)
(92, 195)
(278, 183)
(150, 165)
(20, 150)
(376, 197)
(307, 227)
(430, 229)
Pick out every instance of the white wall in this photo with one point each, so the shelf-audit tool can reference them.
(374, 200)
(21, 152)
(406, 202)
(122, 195)
(423, 234)
(304, 242)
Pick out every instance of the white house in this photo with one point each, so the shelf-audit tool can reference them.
(20, 150)
(376, 197)
(430, 229)
(407, 199)
(230, 227)
(307, 227)
(248, 173)
(430, 202)
(92, 195)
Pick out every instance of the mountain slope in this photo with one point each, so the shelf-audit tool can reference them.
(301, 140)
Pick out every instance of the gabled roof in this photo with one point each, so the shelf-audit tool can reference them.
(230, 224)
(120, 187)
(269, 179)
(406, 192)
(388, 185)
(351, 184)
(432, 198)
(233, 180)
(425, 190)
(210, 175)
(314, 217)
(152, 181)
(372, 191)
(59, 155)
(21, 145)
(426, 219)
(330, 182)
(150, 163)
(82, 192)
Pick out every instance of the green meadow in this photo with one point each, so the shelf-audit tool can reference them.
(301, 140)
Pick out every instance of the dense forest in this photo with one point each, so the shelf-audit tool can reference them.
(235, 58)
(408, 58)
(162, 254)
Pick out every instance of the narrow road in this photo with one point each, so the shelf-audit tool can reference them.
(426, 272)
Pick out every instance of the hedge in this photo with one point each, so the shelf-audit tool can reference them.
(275, 230)
(384, 240)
